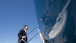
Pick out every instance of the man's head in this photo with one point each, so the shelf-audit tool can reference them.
(41, 19)
(25, 27)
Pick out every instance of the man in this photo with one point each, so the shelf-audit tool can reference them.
(45, 19)
(23, 35)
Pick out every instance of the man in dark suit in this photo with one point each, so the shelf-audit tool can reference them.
(23, 35)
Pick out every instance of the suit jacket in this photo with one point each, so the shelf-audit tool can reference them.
(22, 33)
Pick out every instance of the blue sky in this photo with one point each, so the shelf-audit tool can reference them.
(14, 14)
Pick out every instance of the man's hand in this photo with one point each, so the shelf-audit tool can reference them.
(23, 36)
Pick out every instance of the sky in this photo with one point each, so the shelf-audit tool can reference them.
(14, 14)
